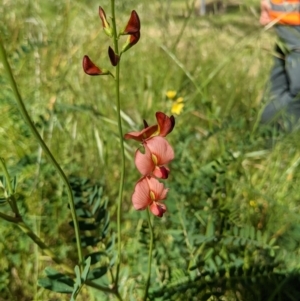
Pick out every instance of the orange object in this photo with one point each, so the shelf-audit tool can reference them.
(285, 11)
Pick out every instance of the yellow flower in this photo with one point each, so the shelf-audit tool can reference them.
(177, 106)
(171, 94)
(253, 203)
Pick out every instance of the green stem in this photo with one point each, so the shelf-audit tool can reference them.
(103, 288)
(118, 103)
(9, 218)
(149, 256)
(37, 136)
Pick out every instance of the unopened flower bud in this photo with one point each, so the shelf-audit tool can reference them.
(105, 24)
(132, 40)
(114, 58)
(133, 25)
(91, 69)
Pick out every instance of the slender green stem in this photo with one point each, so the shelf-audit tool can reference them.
(37, 136)
(118, 104)
(103, 288)
(9, 218)
(149, 256)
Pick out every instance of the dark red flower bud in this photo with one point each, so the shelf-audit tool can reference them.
(133, 25)
(114, 58)
(90, 68)
(132, 40)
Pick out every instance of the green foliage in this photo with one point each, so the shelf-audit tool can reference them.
(91, 209)
(57, 282)
(225, 257)
(80, 278)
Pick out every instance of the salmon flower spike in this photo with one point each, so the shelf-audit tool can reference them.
(150, 192)
(163, 127)
(151, 163)
(158, 153)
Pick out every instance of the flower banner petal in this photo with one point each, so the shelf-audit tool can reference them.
(141, 196)
(144, 162)
(161, 148)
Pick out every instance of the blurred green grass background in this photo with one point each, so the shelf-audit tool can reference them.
(218, 63)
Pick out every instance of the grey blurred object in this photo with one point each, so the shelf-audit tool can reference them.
(212, 7)
(202, 7)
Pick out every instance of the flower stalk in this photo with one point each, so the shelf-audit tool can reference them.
(149, 256)
(132, 29)
(120, 130)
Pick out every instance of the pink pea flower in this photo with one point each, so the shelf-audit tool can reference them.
(150, 192)
(163, 127)
(158, 152)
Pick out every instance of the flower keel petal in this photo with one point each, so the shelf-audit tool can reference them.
(158, 209)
